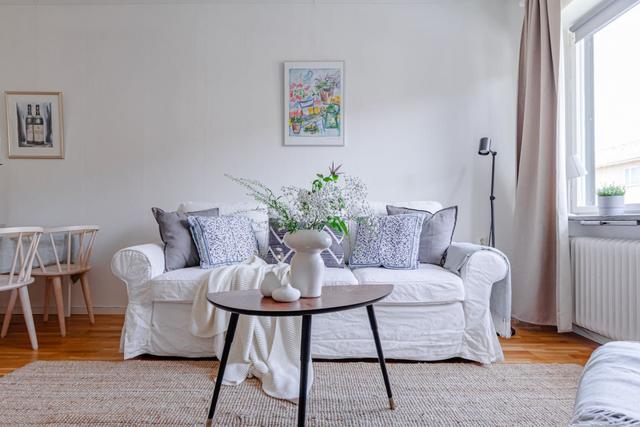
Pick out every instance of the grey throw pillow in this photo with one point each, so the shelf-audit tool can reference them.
(437, 232)
(179, 249)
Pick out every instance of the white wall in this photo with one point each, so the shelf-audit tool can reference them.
(161, 98)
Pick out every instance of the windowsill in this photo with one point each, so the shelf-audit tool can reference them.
(596, 217)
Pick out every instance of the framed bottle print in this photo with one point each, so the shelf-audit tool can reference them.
(314, 103)
(34, 125)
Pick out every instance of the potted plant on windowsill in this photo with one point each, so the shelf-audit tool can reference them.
(611, 200)
(332, 201)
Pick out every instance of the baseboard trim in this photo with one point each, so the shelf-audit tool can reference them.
(79, 309)
(593, 336)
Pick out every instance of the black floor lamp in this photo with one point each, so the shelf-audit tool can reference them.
(484, 149)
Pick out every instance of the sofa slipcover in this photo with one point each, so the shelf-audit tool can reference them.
(433, 314)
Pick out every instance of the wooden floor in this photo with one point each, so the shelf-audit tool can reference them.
(532, 344)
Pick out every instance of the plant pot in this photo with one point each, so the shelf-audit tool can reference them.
(325, 95)
(307, 267)
(611, 205)
(295, 127)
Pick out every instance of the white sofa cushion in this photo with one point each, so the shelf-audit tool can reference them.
(181, 285)
(429, 284)
(339, 277)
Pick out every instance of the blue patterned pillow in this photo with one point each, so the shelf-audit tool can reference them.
(391, 242)
(223, 240)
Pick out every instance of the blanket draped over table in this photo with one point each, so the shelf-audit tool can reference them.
(265, 347)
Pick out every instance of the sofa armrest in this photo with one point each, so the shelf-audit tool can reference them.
(135, 266)
(467, 258)
(487, 279)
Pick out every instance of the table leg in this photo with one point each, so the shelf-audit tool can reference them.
(383, 366)
(231, 330)
(305, 350)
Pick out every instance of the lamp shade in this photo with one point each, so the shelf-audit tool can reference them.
(484, 147)
(575, 167)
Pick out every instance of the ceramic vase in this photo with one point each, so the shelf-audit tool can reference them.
(611, 205)
(286, 293)
(307, 267)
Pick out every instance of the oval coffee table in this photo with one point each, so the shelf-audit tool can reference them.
(334, 298)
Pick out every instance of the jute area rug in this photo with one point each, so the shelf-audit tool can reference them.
(177, 393)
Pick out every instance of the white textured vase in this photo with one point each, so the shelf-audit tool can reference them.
(307, 267)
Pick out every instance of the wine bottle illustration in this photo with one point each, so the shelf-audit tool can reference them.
(29, 125)
(38, 127)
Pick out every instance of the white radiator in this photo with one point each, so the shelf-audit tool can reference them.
(606, 280)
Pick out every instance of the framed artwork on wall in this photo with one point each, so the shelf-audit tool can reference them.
(34, 125)
(314, 103)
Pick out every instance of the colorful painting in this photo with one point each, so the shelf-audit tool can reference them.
(314, 103)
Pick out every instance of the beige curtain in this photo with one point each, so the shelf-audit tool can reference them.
(540, 243)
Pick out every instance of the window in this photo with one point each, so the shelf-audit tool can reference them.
(632, 176)
(608, 103)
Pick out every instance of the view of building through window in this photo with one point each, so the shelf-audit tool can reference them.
(616, 109)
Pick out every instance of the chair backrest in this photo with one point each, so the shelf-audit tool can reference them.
(26, 243)
(77, 245)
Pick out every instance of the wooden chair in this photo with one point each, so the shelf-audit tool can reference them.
(72, 265)
(19, 276)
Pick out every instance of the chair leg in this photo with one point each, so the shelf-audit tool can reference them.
(57, 292)
(8, 313)
(28, 316)
(47, 296)
(86, 292)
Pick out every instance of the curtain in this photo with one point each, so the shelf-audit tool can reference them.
(540, 254)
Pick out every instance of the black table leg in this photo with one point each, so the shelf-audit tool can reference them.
(383, 366)
(305, 356)
(231, 331)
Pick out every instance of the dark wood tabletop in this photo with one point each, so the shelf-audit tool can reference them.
(334, 298)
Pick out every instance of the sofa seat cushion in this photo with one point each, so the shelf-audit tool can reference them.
(181, 285)
(339, 277)
(428, 284)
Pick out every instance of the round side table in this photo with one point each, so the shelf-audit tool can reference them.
(334, 298)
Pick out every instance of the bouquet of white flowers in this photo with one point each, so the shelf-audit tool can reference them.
(332, 201)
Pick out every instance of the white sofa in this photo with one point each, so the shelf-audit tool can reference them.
(432, 314)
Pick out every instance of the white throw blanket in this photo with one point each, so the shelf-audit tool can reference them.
(609, 392)
(265, 347)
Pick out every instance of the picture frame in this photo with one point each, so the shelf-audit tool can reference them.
(34, 125)
(314, 113)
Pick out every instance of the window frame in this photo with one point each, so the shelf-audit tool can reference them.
(581, 124)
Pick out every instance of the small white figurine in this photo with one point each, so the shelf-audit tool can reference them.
(269, 284)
